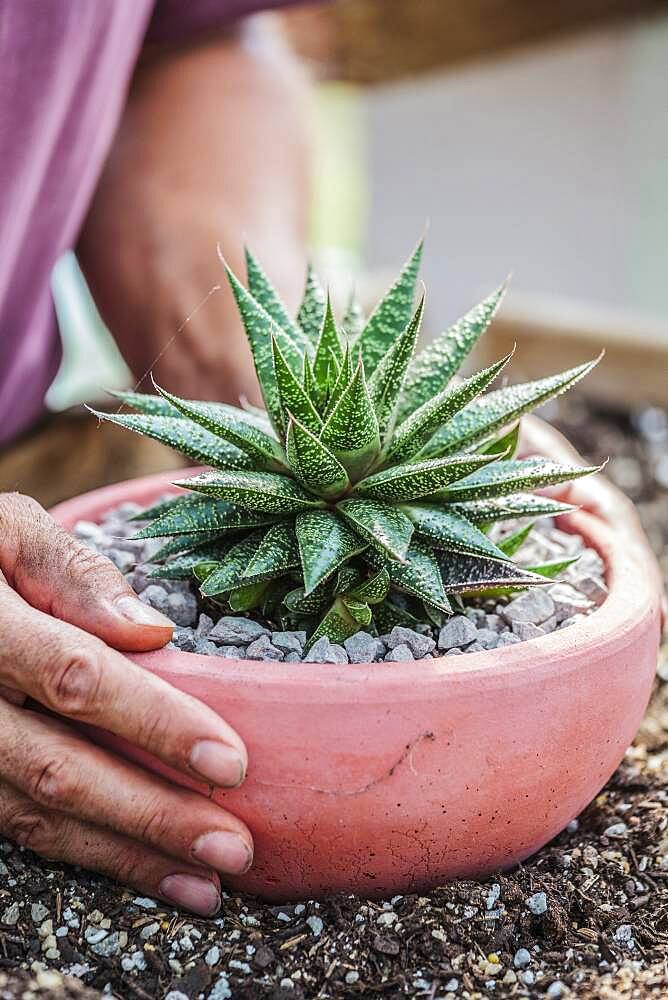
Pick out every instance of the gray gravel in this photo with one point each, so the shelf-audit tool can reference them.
(577, 592)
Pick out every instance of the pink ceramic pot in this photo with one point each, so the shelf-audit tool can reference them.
(393, 777)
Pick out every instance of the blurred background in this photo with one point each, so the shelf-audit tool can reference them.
(531, 138)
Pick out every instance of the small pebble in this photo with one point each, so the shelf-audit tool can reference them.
(399, 654)
(419, 645)
(289, 642)
(263, 649)
(324, 651)
(231, 631)
(537, 903)
(457, 631)
(364, 648)
(533, 606)
(522, 958)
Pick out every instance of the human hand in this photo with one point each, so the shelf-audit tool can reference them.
(62, 609)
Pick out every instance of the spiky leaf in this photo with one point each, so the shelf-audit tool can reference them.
(184, 543)
(504, 508)
(329, 348)
(373, 589)
(436, 412)
(351, 431)
(461, 574)
(249, 596)
(384, 526)
(516, 539)
(276, 554)
(313, 463)
(483, 417)
(195, 442)
(443, 529)
(259, 327)
(264, 292)
(265, 492)
(401, 483)
(182, 566)
(294, 398)
(510, 477)
(197, 514)
(261, 448)
(386, 382)
(338, 624)
(433, 368)
(312, 309)
(227, 574)
(420, 575)
(325, 542)
(391, 314)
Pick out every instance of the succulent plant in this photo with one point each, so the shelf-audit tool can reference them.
(362, 496)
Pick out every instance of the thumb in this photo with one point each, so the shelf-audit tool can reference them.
(57, 574)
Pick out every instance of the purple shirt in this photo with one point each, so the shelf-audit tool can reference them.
(65, 66)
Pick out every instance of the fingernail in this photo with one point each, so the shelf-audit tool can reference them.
(141, 614)
(196, 894)
(224, 851)
(219, 764)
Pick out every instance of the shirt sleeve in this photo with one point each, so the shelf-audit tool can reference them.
(179, 20)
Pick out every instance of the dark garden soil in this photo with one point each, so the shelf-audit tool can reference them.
(586, 917)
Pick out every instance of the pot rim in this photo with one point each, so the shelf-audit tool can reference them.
(631, 599)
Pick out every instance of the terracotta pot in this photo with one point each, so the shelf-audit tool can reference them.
(390, 778)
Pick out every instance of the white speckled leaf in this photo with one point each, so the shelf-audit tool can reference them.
(384, 526)
(435, 413)
(338, 624)
(228, 574)
(264, 492)
(483, 417)
(419, 479)
(443, 529)
(501, 478)
(462, 574)
(421, 576)
(313, 463)
(264, 292)
(325, 542)
(312, 309)
(294, 399)
(391, 314)
(434, 366)
(193, 514)
(351, 431)
(191, 440)
(328, 348)
(276, 554)
(387, 380)
(505, 508)
(263, 449)
(259, 327)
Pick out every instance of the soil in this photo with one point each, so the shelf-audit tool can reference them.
(599, 931)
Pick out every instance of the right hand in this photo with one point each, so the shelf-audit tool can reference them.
(62, 609)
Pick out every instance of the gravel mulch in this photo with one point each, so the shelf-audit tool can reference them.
(578, 589)
(586, 917)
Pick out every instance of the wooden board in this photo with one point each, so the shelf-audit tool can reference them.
(371, 41)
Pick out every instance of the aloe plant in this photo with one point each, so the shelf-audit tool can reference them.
(362, 495)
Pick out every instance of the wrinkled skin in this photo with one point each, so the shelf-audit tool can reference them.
(66, 616)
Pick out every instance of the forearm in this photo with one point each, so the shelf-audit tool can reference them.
(211, 149)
